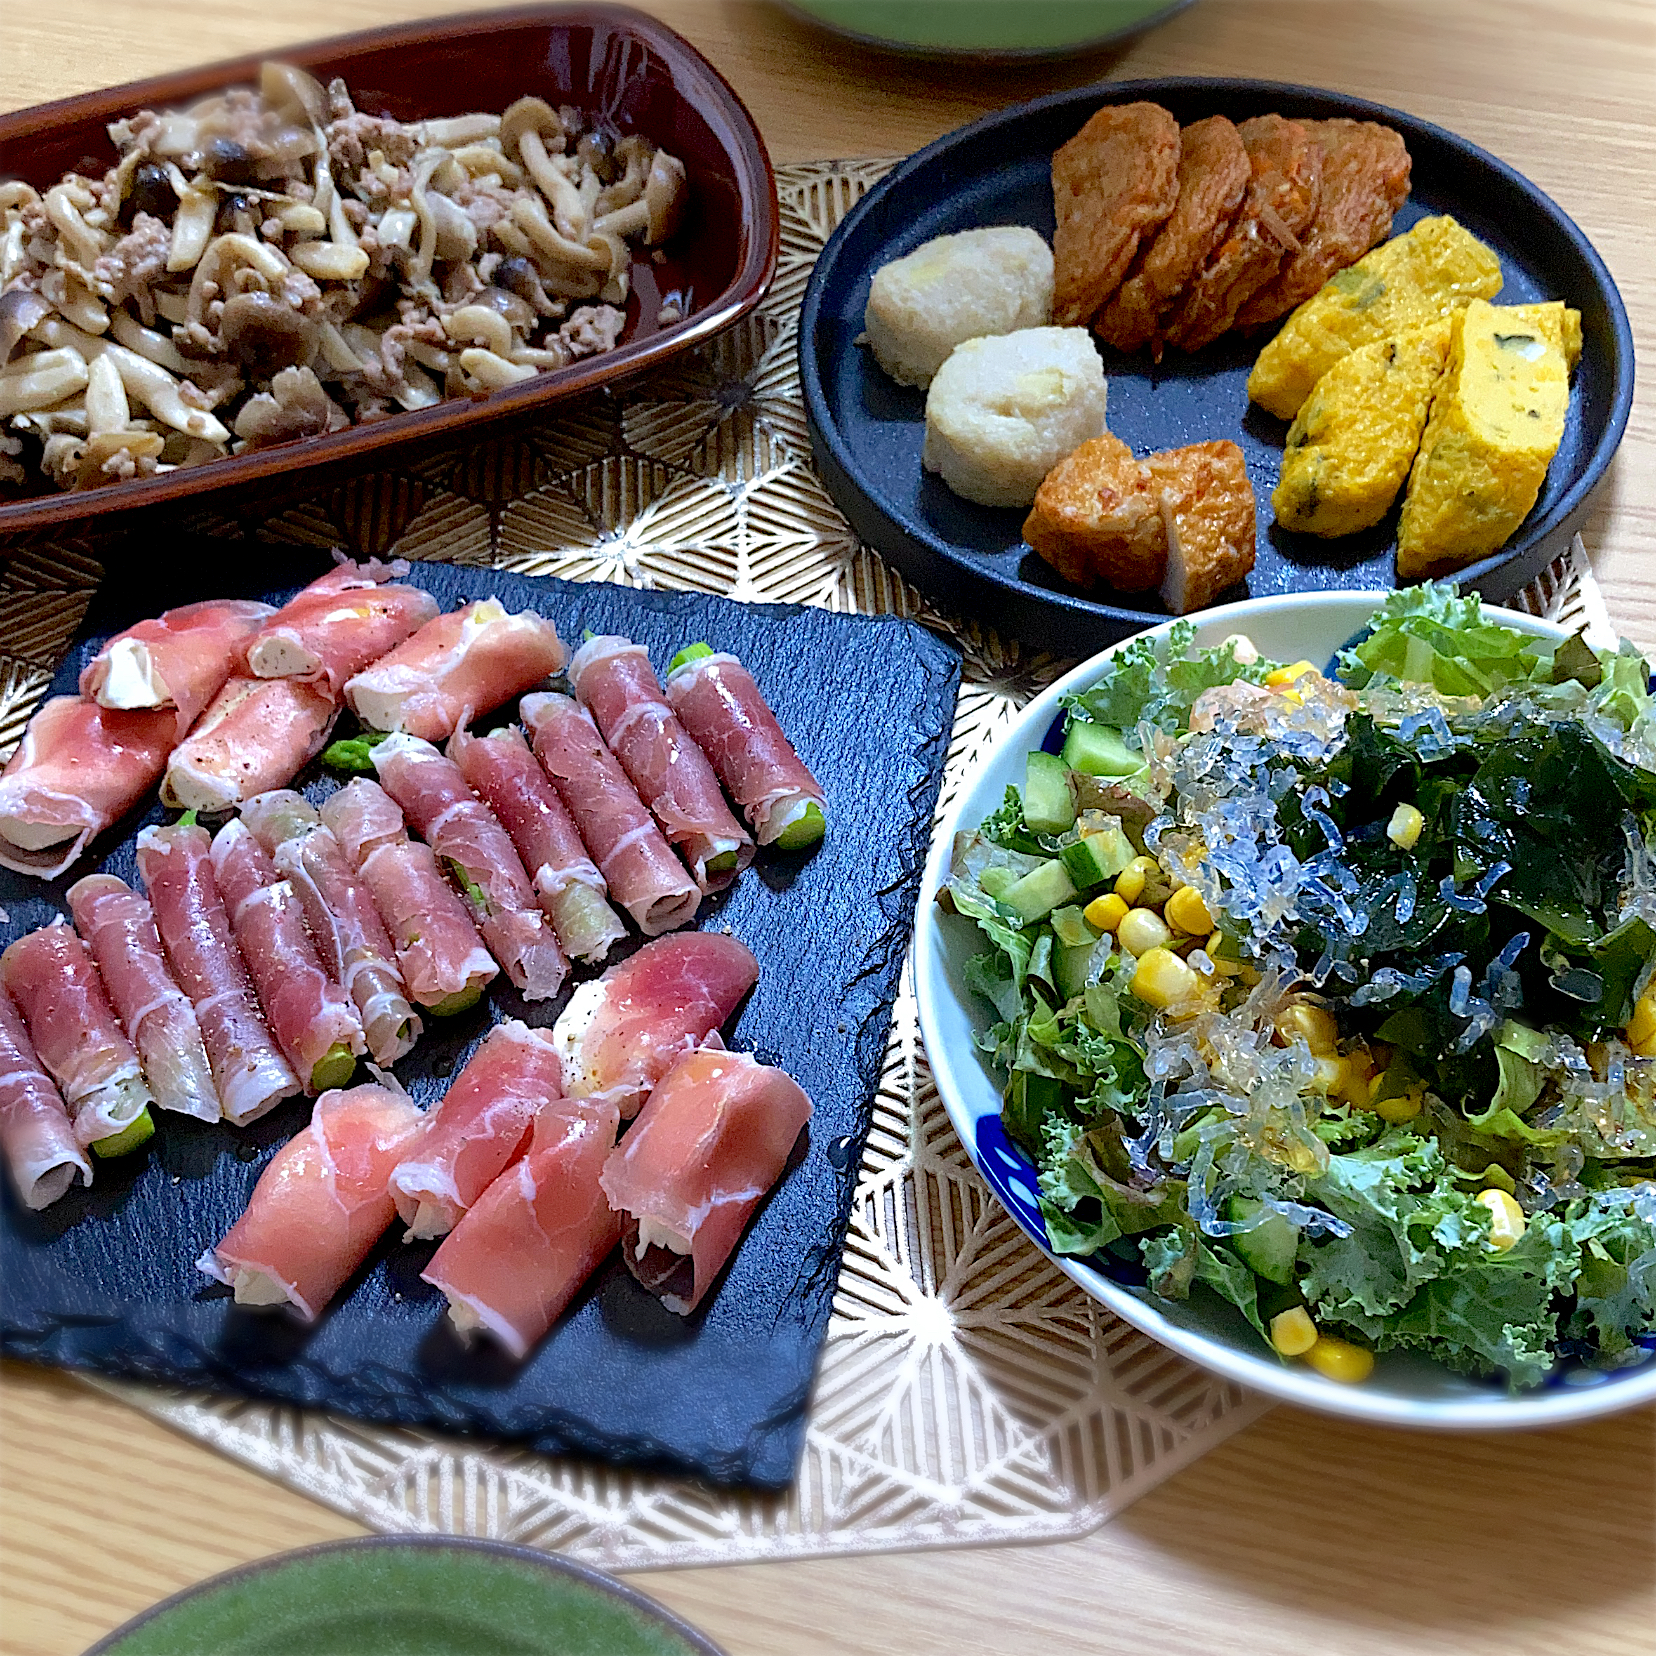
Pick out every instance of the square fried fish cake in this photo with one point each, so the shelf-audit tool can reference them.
(1096, 519)
(1365, 179)
(1280, 202)
(1213, 173)
(1208, 517)
(1113, 184)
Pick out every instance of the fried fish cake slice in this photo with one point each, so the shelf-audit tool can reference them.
(1365, 179)
(1208, 516)
(1097, 519)
(1213, 172)
(1113, 184)
(1280, 201)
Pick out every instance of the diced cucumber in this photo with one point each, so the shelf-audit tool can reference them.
(1071, 928)
(136, 1132)
(1039, 892)
(1097, 858)
(995, 879)
(1098, 750)
(1269, 1248)
(1048, 804)
(1070, 964)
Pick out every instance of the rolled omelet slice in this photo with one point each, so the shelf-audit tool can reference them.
(1497, 420)
(1409, 282)
(1349, 448)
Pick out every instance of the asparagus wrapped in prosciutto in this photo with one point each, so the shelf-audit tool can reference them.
(258, 734)
(35, 1131)
(440, 955)
(621, 1032)
(320, 1205)
(718, 702)
(77, 1036)
(118, 926)
(523, 1250)
(712, 1140)
(508, 778)
(477, 852)
(477, 1129)
(617, 685)
(311, 1017)
(350, 935)
(456, 668)
(249, 1070)
(637, 863)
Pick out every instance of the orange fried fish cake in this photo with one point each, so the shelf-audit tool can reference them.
(1208, 516)
(1113, 183)
(1213, 173)
(1097, 519)
(1280, 202)
(1365, 179)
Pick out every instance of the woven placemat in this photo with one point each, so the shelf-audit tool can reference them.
(969, 1392)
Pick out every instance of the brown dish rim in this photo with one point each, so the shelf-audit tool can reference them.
(758, 236)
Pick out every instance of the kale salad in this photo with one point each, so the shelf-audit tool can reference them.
(1334, 994)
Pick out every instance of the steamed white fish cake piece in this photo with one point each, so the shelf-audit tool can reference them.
(954, 288)
(1003, 411)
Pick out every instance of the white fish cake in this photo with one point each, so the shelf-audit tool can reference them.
(1003, 411)
(955, 288)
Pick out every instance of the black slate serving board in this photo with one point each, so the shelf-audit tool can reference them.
(105, 1279)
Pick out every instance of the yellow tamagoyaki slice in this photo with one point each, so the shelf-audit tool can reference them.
(1497, 420)
(1349, 449)
(1409, 282)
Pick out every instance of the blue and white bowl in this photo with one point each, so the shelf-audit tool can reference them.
(1405, 1389)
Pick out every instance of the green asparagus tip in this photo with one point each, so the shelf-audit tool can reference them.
(690, 652)
(188, 820)
(723, 863)
(351, 753)
(333, 1069)
(805, 830)
(141, 1127)
(461, 1001)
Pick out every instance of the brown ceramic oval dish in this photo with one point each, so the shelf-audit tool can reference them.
(638, 72)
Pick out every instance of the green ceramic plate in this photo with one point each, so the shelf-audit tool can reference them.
(988, 28)
(408, 1596)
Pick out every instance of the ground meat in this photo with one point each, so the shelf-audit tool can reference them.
(352, 137)
(136, 261)
(387, 375)
(592, 329)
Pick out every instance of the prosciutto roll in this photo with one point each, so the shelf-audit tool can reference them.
(350, 936)
(176, 867)
(637, 863)
(76, 1035)
(311, 1017)
(339, 624)
(119, 928)
(620, 1033)
(440, 955)
(320, 1205)
(258, 734)
(477, 1129)
(79, 768)
(618, 687)
(520, 1255)
(461, 665)
(179, 660)
(720, 705)
(712, 1140)
(35, 1131)
(508, 778)
(476, 850)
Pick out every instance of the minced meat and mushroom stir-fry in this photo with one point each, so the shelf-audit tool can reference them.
(273, 264)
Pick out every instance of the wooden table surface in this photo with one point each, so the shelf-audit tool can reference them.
(1301, 1535)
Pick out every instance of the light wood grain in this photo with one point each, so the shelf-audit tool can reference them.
(1303, 1535)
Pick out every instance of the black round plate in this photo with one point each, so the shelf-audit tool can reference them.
(866, 430)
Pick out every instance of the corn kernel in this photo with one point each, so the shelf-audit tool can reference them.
(1105, 913)
(1361, 1074)
(1301, 1021)
(1223, 964)
(1186, 910)
(1333, 1075)
(1292, 1331)
(1506, 1218)
(1142, 929)
(1162, 980)
(1279, 678)
(1130, 883)
(1340, 1360)
(1641, 1027)
(1242, 648)
(1402, 1109)
(1404, 828)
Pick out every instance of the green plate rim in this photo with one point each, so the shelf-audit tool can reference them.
(110, 1643)
(988, 54)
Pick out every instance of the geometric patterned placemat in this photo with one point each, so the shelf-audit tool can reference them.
(968, 1391)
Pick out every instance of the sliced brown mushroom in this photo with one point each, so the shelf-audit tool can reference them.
(295, 406)
(265, 334)
(529, 115)
(20, 310)
(656, 213)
